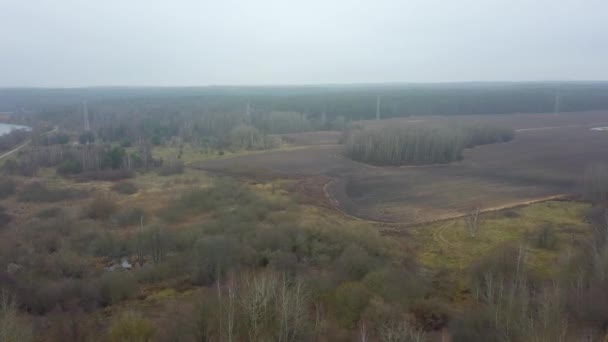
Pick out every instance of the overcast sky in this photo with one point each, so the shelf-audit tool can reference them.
(68, 43)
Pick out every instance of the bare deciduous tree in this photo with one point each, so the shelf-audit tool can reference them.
(257, 303)
(12, 328)
(363, 333)
(292, 309)
(231, 308)
(472, 221)
(399, 331)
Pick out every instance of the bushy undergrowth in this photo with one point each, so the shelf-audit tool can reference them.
(125, 188)
(171, 167)
(100, 208)
(47, 213)
(419, 144)
(223, 196)
(104, 175)
(7, 188)
(128, 217)
(248, 241)
(39, 192)
(5, 217)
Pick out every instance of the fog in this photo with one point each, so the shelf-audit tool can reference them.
(62, 43)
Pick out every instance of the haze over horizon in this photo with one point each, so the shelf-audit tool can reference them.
(66, 43)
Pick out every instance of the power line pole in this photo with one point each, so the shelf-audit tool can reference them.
(87, 124)
(248, 112)
(323, 117)
(557, 101)
(378, 107)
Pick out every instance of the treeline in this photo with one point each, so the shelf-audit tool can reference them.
(96, 161)
(179, 123)
(419, 144)
(206, 117)
(353, 102)
(13, 138)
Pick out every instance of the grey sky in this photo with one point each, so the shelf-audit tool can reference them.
(197, 42)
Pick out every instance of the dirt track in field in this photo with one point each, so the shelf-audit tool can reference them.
(546, 159)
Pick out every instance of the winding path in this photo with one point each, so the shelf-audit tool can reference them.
(25, 144)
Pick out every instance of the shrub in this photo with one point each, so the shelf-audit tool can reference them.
(131, 327)
(477, 326)
(430, 314)
(5, 218)
(73, 325)
(396, 285)
(38, 192)
(61, 139)
(107, 245)
(7, 188)
(51, 212)
(117, 286)
(86, 138)
(12, 327)
(510, 214)
(69, 167)
(128, 217)
(172, 167)
(69, 264)
(221, 195)
(155, 242)
(100, 208)
(10, 167)
(125, 187)
(545, 237)
(355, 262)
(42, 295)
(215, 257)
(109, 175)
(350, 301)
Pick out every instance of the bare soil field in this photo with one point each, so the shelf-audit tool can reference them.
(547, 158)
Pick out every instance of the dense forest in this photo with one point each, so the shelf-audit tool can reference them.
(419, 144)
(353, 102)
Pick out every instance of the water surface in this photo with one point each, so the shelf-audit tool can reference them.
(6, 128)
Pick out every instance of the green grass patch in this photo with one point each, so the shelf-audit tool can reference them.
(449, 245)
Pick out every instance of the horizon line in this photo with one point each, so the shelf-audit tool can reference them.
(295, 85)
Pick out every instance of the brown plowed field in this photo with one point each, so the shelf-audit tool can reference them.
(547, 158)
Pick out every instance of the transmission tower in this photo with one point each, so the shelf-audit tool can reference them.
(87, 124)
(248, 112)
(557, 101)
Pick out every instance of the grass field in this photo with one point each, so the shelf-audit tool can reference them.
(448, 244)
(547, 158)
